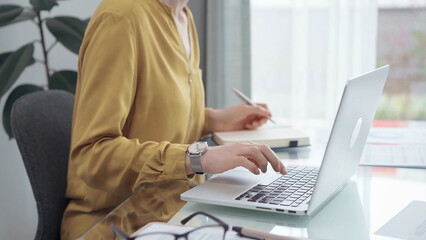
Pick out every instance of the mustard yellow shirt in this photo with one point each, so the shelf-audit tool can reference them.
(139, 102)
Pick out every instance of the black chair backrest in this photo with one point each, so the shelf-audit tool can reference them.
(41, 122)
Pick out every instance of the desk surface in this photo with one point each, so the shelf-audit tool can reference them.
(372, 197)
(367, 202)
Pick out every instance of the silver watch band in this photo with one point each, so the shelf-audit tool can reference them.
(196, 163)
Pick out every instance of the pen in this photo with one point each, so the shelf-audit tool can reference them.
(248, 101)
(256, 234)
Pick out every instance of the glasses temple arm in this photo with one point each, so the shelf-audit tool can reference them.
(120, 233)
(220, 222)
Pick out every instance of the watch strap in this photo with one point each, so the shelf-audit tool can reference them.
(196, 163)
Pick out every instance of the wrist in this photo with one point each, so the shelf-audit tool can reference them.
(213, 120)
(194, 153)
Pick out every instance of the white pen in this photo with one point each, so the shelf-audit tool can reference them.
(248, 101)
(256, 234)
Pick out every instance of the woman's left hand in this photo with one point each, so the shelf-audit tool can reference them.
(238, 117)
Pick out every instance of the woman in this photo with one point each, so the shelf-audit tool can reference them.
(139, 104)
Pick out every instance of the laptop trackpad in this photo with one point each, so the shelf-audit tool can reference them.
(240, 178)
(224, 187)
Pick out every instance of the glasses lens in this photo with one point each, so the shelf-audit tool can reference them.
(156, 236)
(207, 233)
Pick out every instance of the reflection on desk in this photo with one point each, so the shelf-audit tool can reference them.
(341, 218)
(369, 200)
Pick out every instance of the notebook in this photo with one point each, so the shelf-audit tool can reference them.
(274, 137)
(304, 190)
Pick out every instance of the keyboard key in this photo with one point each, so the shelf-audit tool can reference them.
(256, 197)
(266, 199)
(286, 203)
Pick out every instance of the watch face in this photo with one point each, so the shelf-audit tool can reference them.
(197, 147)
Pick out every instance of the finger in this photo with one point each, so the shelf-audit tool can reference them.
(253, 154)
(241, 161)
(252, 125)
(282, 167)
(271, 157)
(257, 110)
(264, 105)
(256, 123)
(262, 121)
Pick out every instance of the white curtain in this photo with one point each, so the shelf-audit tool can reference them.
(301, 51)
(228, 51)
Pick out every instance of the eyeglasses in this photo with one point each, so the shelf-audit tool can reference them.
(217, 231)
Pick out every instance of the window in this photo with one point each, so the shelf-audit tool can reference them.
(302, 53)
(401, 42)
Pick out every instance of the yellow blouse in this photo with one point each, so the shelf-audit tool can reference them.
(139, 103)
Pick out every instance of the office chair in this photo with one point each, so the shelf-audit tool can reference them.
(41, 123)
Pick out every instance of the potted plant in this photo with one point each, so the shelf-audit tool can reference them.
(67, 30)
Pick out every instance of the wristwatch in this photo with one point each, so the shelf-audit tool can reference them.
(195, 150)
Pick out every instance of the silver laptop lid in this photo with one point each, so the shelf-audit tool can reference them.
(349, 133)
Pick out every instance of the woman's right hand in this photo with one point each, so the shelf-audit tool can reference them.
(254, 157)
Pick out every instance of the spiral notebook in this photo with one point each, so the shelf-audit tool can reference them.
(274, 137)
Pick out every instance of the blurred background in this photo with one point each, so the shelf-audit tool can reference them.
(295, 55)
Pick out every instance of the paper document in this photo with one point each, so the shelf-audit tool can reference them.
(395, 147)
(413, 156)
(404, 136)
(410, 223)
(209, 233)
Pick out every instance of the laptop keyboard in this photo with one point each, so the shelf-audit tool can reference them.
(288, 190)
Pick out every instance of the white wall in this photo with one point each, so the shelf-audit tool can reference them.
(18, 214)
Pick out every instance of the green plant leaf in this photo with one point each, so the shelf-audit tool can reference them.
(68, 30)
(43, 4)
(13, 96)
(25, 15)
(65, 80)
(14, 65)
(5, 55)
(8, 13)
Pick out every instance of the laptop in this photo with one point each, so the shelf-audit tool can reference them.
(304, 190)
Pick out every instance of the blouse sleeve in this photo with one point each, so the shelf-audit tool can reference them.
(102, 157)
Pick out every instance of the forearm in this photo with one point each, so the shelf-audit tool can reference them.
(213, 121)
(120, 165)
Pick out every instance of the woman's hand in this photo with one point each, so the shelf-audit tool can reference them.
(254, 157)
(238, 117)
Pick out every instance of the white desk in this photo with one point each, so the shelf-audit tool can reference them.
(372, 197)
(369, 200)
